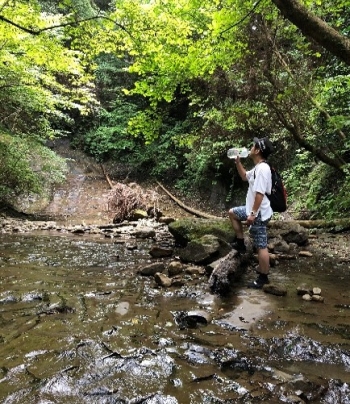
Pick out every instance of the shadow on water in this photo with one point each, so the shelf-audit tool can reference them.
(79, 325)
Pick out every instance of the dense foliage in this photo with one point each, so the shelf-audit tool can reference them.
(165, 87)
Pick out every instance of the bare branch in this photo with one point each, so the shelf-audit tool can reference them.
(71, 23)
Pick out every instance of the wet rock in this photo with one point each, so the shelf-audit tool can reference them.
(277, 290)
(144, 232)
(289, 231)
(295, 399)
(152, 211)
(175, 268)
(204, 250)
(273, 260)
(107, 230)
(166, 219)
(78, 230)
(131, 246)
(307, 297)
(154, 399)
(199, 355)
(282, 376)
(162, 280)
(303, 290)
(192, 319)
(317, 298)
(188, 229)
(138, 214)
(122, 308)
(282, 256)
(152, 269)
(200, 316)
(158, 251)
(163, 342)
(9, 299)
(54, 308)
(280, 246)
(316, 291)
(177, 281)
(30, 297)
(195, 270)
(305, 253)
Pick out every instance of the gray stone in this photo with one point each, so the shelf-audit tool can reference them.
(204, 250)
(195, 270)
(152, 269)
(316, 291)
(307, 297)
(166, 219)
(291, 232)
(303, 289)
(158, 251)
(277, 290)
(144, 232)
(162, 280)
(175, 268)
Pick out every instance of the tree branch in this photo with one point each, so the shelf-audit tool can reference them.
(295, 131)
(39, 31)
(185, 207)
(312, 26)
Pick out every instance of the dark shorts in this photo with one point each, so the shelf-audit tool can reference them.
(257, 230)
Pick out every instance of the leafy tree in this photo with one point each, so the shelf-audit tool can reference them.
(41, 80)
(27, 168)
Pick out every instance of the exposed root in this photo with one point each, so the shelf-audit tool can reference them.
(125, 198)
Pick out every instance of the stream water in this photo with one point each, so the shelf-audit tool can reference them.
(80, 325)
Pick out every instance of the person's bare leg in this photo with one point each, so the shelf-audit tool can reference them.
(264, 261)
(236, 224)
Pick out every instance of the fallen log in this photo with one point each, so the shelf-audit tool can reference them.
(227, 270)
(110, 183)
(187, 208)
(342, 224)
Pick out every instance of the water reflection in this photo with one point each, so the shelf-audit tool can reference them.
(78, 324)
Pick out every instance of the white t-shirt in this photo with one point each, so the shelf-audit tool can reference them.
(260, 182)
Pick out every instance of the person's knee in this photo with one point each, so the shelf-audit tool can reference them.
(232, 215)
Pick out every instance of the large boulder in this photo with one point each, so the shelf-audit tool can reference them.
(188, 229)
(290, 232)
(204, 250)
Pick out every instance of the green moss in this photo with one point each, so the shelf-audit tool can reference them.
(186, 230)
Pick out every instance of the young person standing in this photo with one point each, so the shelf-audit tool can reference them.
(257, 211)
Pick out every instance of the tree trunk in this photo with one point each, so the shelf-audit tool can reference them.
(342, 224)
(312, 26)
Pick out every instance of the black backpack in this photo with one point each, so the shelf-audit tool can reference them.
(278, 196)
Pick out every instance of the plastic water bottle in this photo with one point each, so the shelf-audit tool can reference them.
(242, 152)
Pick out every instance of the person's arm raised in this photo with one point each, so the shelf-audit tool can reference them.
(241, 170)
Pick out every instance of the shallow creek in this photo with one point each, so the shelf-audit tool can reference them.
(79, 325)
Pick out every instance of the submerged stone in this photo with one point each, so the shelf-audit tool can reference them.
(277, 290)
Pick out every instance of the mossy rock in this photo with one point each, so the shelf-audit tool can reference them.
(189, 229)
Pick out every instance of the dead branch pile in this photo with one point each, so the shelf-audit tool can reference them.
(123, 199)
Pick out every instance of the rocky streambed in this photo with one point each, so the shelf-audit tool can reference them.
(85, 319)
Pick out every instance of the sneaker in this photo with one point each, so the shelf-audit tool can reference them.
(239, 246)
(258, 283)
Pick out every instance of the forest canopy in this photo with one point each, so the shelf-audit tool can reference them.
(165, 87)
